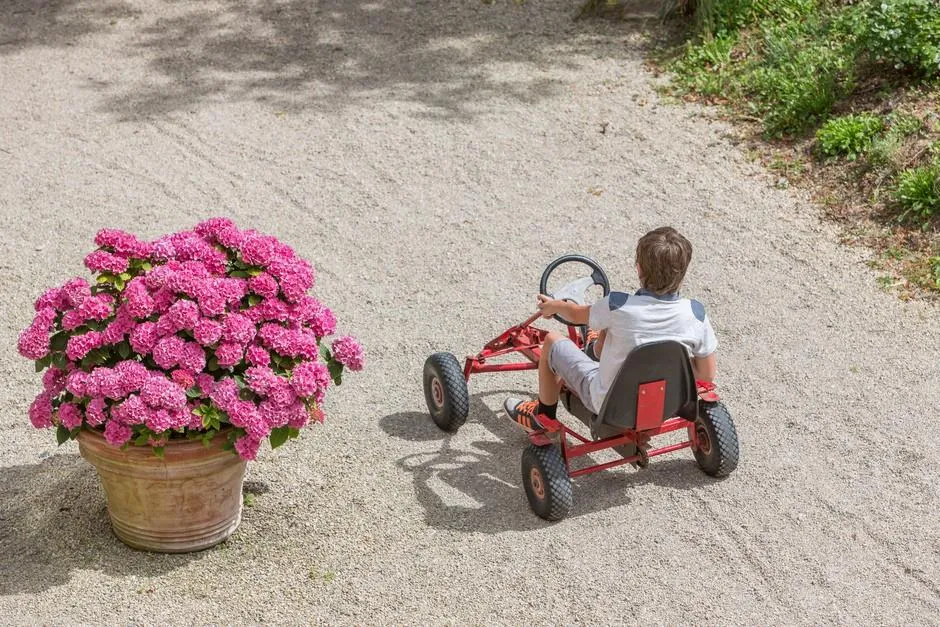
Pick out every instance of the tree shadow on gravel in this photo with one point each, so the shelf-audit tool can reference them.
(56, 23)
(54, 520)
(478, 487)
(447, 58)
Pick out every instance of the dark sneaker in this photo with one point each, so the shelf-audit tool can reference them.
(525, 413)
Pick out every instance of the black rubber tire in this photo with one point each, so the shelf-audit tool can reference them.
(719, 456)
(546, 481)
(450, 409)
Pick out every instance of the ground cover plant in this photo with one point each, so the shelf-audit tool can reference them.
(839, 95)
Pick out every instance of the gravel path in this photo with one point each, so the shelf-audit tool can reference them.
(430, 158)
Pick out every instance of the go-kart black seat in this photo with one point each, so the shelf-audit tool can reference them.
(666, 362)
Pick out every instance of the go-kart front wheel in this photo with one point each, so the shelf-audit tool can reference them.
(546, 481)
(445, 391)
(717, 450)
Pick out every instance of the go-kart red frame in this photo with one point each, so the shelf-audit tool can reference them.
(527, 340)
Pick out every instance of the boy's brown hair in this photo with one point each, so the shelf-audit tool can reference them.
(663, 256)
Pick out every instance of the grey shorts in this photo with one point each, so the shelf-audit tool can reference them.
(577, 369)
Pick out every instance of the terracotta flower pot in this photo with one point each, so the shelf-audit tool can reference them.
(188, 500)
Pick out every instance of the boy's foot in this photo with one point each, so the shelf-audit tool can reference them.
(526, 413)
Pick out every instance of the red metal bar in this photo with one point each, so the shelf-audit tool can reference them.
(525, 365)
(627, 460)
(669, 449)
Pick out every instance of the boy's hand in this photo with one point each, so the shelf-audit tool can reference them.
(549, 306)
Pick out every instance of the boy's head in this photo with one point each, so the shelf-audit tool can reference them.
(662, 257)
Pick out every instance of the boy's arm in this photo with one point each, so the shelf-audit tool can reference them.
(705, 368)
(572, 312)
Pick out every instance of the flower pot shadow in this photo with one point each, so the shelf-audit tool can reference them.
(54, 520)
(477, 486)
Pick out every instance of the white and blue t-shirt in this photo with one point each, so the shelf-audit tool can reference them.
(634, 319)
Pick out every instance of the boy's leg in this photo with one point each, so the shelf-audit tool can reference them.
(527, 413)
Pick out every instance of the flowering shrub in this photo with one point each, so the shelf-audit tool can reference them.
(183, 337)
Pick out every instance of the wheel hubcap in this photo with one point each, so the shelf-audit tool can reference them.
(437, 392)
(538, 486)
(704, 442)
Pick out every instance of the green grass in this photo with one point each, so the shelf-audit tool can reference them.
(918, 193)
(849, 136)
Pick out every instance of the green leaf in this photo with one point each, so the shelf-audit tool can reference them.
(124, 350)
(42, 364)
(61, 435)
(336, 371)
(255, 271)
(254, 299)
(119, 283)
(59, 341)
(193, 392)
(158, 451)
(213, 364)
(239, 274)
(206, 421)
(246, 394)
(146, 266)
(126, 276)
(278, 436)
(60, 361)
(105, 278)
(240, 380)
(293, 432)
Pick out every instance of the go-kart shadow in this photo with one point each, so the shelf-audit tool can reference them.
(54, 520)
(477, 487)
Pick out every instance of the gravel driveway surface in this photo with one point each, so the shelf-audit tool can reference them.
(430, 158)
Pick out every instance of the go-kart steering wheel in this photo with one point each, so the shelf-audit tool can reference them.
(576, 290)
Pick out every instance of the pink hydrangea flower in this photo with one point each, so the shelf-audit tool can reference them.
(160, 420)
(80, 345)
(77, 383)
(106, 382)
(133, 411)
(168, 350)
(261, 379)
(207, 332)
(281, 394)
(257, 249)
(54, 381)
(263, 285)
(224, 393)
(144, 338)
(270, 309)
(133, 375)
(298, 416)
(160, 392)
(98, 307)
(70, 415)
(116, 433)
(183, 378)
(206, 383)
(50, 299)
(228, 354)
(238, 329)
(122, 243)
(347, 351)
(184, 315)
(211, 228)
(310, 378)
(139, 302)
(162, 299)
(40, 411)
(230, 237)
(74, 292)
(103, 261)
(247, 447)
(193, 357)
(33, 342)
(257, 355)
(95, 412)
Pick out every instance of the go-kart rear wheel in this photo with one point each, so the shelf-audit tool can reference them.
(546, 481)
(717, 450)
(445, 391)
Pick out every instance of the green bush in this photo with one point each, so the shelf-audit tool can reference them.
(703, 66)
(902, 33)
(885, 150)
(918, 192)
(723, 17)
(801, 75)
(848, 136)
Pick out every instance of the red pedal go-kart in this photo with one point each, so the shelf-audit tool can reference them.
(654, 393)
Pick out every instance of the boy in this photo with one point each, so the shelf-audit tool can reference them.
(654, 313)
